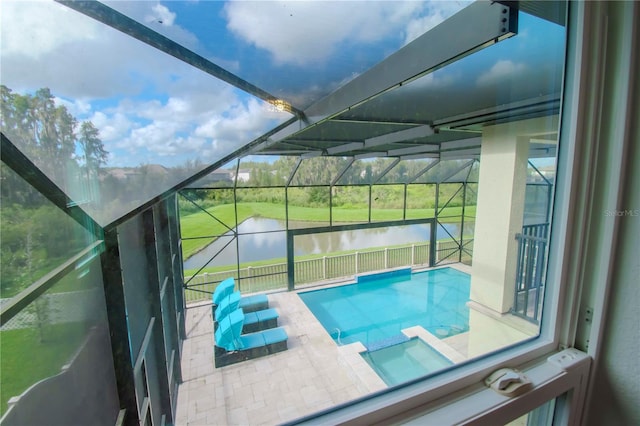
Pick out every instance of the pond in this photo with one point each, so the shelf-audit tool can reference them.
(262, 239)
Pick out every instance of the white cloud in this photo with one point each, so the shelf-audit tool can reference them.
(439, 79)
(113, 127)
(155, 137)
(161, 14)
(31, 28)
(241, 123)
(144, 103)
(151, 130)
(306, 32)
(435, 13)
(77, 107)
(501, 70)
(158, 17)
(45, 44)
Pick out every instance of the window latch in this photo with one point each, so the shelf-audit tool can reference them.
(508, 382)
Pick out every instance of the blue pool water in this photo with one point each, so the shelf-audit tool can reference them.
(402, 362)
(375, 309)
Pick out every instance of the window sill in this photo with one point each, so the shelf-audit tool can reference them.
(444, 393)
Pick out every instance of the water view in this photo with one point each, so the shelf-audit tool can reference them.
(262, 239)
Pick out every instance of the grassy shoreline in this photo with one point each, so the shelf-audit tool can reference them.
(192, 225)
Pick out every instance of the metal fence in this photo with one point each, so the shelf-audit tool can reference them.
(274, 277)
(531, 266)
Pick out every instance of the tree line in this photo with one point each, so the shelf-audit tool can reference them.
(36, 236)
(310, 183)
(49, 135)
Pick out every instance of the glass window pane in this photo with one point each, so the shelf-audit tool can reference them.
(331, 48)
(118, 122)
(36, 235)
(540, 416)
(222, 177)
(62, 333)
(475, 231)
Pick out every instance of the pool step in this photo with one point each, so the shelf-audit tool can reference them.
(385, 343)
(431, 360)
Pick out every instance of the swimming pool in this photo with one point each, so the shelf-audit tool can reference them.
(378, 307)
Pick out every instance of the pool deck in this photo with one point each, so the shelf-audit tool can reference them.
(311, 375)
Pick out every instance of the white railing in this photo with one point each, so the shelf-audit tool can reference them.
(274, 277)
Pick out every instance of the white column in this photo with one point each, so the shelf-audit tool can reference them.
(499, 215)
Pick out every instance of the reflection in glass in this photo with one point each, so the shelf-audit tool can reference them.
(49, 333)
(118, 122)
(36, 236)
(336, 41)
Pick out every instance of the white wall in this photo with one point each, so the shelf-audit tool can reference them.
(616, 395)
(615, 392)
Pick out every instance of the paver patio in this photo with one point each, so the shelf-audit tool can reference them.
(311, 375)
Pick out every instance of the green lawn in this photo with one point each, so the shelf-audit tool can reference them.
(27, 359)
(201, 224)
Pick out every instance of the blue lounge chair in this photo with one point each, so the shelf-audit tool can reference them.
(247, 303)
(231, 346)
(253, 321)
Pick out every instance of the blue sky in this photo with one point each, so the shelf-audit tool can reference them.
(152, 109)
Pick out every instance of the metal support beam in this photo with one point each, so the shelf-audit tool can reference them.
(346, 147)
(20, 301)
(118, 327)
(293, 172)
(461, 144)
(385, 171)
(475, 27)
(344, 170)
(400, 136)
(425, 170)
(155, 305)
(424, 148)
(458, 170)
(370, 155)
(290, 261)
(311, 154)
(433, 241)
